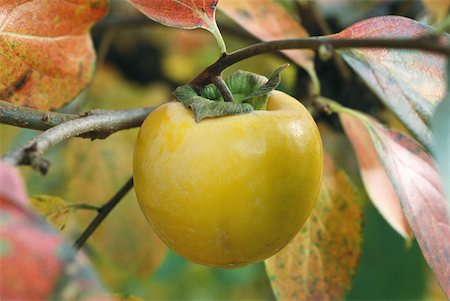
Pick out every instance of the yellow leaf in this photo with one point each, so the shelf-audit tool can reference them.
(320, 262)
(53, 208)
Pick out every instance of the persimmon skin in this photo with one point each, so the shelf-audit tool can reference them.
(232, 190)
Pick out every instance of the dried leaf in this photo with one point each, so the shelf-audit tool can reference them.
(320, 262)
(47, 54)
(417, 185)
(409, 82)
(36, 263)
(376, 181)
(183, 14)
(267, 20)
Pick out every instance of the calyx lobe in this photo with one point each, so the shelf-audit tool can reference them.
(250, 92)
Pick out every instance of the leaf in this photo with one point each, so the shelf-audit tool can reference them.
(47, 54)
(267, 20)
(36, 263)
(417, 185)
(376, 181)
(12, 187)
(183, 14)
(441, 137)
(409, 82)
(53, 208)
(320, 262)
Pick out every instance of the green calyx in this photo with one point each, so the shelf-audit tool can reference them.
(250, 92)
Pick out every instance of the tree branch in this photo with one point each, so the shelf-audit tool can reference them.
(426, 43)
(31, 118)
(103, 213)
(43, 120)
(97, 124)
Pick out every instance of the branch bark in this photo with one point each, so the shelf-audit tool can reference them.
(427, 43)
(94, 124)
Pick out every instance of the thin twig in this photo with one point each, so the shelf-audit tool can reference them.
(103, 213)
(427, 43)
(99, 123)
(221, 85)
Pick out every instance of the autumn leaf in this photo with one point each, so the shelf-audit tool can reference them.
(416, 182)
(36, 263)
(47, 54)
(183, 14)
(56, 210)
(441, 137)
(409, 82)
(267, 20)
(376, 181)
(319, 264)
(12, 187)
(53, 208)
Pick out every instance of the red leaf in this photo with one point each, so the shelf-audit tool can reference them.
(182, 14)
(376, 181)
(417, 184)
(179, 13)
(268, 21)
(319, 263)
(12, 187)
(47, 55)
(36, 263)
(410, 82)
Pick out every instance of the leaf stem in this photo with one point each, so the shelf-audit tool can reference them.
(82, 206)
(223, 88)
(103, 213)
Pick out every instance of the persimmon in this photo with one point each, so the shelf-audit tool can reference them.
(231, 190)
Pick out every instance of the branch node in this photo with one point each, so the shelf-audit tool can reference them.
(325, 51)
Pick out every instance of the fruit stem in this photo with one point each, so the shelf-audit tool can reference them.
(223, 88)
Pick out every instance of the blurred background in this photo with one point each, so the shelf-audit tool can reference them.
(139, 64)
